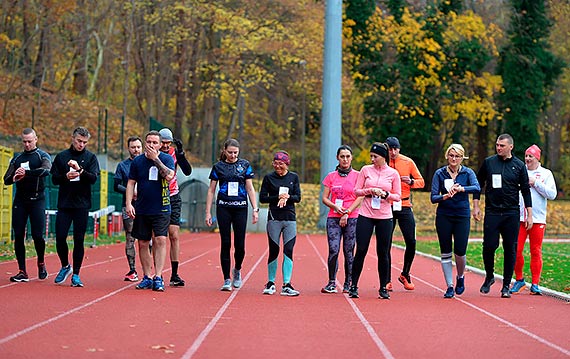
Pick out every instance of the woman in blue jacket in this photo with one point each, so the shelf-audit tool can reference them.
(450, 189)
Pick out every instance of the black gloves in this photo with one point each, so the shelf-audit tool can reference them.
(178, 144)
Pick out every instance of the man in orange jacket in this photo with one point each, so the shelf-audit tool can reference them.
(402, 210)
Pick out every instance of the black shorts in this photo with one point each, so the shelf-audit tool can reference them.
(175, 209)
(146, 224)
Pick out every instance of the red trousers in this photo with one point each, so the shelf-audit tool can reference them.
(536, 235)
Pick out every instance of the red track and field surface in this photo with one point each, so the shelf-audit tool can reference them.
(109, 318)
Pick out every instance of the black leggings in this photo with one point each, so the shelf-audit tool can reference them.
(452, 233)
(63, 220)
(35, 211)
(407, 223)
(229, 218)
(364, 228)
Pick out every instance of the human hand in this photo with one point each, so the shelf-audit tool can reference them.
(477, 214)
(150, 152)
(343, 220)
(178, 144)
(130, 210)
(19, 174)
(73, 164)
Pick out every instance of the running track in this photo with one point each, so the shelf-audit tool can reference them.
(108, 318)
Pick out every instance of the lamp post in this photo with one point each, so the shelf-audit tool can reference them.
(303, 64)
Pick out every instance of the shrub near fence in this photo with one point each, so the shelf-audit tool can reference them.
(308, 213)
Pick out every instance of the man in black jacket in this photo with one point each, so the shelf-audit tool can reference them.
(27, 171)
(75, 170)
(502, 176)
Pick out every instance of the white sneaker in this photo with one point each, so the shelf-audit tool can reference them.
(289, 291)
(227, 287)
(236, 281)
(269, 288)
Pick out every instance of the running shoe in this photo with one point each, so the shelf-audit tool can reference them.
(269, 288)
(63, 274)
(406, 280)
(449, 293)
(76, 281)
(236, 281)
(389, 287)
(42, 271)
(353, 292)
(289, 291)
(22, 276)
(132, 276)
(486, 287)
(345, 287)
(157, 284)
(459, 286)
(534, 290)
(146, 283)
(505, 291)
(518, 286)
(176, 281)
(383, 293)
(227, 287)
(329, 288)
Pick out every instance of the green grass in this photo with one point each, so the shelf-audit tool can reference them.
(555, 256)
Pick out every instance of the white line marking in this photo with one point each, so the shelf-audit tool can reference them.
(71, 311)
(489, 314)
(200, 339)
(375, 338)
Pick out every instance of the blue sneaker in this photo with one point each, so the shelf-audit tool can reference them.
(518, 286)
(76, 281)
(146, 283)
(534, 290)
(63, 274)
(460, 286)
(158, 284)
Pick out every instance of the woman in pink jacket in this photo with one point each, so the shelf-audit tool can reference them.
(379, 184)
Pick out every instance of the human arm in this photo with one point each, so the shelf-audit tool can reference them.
(10, 173)
(166, 167)
(546, 187)
(252, 199)
(181, 159)
(44, 168)
(129, 195)
(209, 200)
(476, 212)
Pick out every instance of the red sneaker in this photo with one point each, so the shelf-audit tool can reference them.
(407, 282)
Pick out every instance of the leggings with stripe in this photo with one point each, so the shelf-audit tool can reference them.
(274, 231)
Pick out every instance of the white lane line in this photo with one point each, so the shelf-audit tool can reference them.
(200, 339)
(375, 338)
(71, 311)
(499, 319)
(489, 314)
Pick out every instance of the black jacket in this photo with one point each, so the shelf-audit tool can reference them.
(32, 186)
(513, 178)
(74, 194)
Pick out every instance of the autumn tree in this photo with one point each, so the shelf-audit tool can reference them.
(528, 69)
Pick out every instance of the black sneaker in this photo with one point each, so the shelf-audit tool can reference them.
(505, 291)
(486, 287)
(176, 281)
(383, 293)
(460, 286)
(449, 293)
(353, 292)
(20, 277)
(42, 272)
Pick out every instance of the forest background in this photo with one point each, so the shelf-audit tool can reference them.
(428, 72)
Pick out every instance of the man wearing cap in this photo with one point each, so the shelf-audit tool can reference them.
(180, 160)
(402, 210)
(542, 188)
(502, 177)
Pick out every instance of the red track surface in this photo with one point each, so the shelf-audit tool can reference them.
(108, 318)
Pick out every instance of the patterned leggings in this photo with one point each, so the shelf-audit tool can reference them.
(334, 234)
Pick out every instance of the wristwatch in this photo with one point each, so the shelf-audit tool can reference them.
(256, 209)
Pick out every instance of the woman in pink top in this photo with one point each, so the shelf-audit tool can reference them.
(338, 195)
(379, 184)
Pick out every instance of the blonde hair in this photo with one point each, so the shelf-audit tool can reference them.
(457, 148)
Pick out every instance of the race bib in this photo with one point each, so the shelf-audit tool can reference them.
(283, 190)
(397, 206)
(153, 174)
(497, 181)
(375, 202)
(232, 189)
(25, 165)
(448, 183)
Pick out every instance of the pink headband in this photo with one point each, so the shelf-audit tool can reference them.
(533, 150)
(282, 156)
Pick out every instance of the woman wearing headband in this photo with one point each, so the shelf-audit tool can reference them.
(379, 185)
(281, 189)
(338, 195)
